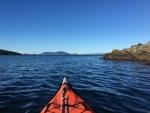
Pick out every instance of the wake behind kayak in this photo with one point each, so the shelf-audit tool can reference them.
(66, 100)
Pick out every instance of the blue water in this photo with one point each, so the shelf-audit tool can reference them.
(27, 83)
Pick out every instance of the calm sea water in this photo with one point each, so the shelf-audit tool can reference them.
(27, 83)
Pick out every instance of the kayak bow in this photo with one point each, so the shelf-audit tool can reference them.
(66, 100)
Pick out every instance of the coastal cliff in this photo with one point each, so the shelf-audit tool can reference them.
(139, 52)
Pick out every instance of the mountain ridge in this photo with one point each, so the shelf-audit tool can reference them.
(55, 53)
(66, 53)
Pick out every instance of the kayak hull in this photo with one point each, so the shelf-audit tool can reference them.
(66, 100)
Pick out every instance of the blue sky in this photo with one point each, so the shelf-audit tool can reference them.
(75, 26)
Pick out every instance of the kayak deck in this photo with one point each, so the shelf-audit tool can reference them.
(66, 100)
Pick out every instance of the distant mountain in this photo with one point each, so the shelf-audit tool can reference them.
(65, 53)
(6, 52)
(55, 53)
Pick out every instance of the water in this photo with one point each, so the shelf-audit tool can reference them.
(27, 83)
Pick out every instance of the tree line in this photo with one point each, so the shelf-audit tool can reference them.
(6, 52)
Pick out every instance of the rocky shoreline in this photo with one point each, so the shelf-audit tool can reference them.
(139, 52)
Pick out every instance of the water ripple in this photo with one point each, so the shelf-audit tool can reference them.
(28, 82)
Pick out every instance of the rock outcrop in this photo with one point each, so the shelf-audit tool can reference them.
(139, 52)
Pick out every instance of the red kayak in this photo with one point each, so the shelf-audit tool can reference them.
(66, 100)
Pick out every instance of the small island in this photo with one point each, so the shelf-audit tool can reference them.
(139, 52)
(6, 52)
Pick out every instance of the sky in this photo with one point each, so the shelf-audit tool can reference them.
(74, 26)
